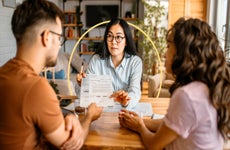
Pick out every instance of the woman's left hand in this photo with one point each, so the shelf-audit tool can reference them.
(131, 120)
(121, 96)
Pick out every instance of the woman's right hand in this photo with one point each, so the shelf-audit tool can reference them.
(79, 77)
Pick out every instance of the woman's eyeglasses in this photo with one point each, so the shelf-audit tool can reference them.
(118, 38)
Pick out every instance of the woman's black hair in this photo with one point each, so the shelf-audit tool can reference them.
(130, 47)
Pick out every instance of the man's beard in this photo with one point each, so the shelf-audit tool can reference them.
(50, 62)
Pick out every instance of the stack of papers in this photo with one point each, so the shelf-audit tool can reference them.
(97, 89)
(142, 109)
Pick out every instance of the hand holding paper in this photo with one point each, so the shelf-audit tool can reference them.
(96, 88)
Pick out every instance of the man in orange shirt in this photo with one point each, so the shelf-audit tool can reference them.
(29, 108)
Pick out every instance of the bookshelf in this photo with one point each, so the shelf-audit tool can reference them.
(70, 24)
(73, 30)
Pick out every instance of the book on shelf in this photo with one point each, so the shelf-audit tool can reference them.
(83, 47)
(70, 32)
(70, 19)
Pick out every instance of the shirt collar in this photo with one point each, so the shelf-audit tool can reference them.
(124, 60)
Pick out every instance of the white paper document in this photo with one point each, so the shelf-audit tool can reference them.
(96, 88)
(142, 109)
(157, 116)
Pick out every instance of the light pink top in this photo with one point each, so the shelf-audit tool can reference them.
(194, 119)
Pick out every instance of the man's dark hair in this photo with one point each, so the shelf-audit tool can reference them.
(33, 13)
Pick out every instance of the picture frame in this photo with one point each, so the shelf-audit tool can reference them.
(9, 3)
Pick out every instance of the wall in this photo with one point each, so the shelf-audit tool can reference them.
(7, 41)
(186, 8)
(99, 31)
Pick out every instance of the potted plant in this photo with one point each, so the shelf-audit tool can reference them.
(151, 25)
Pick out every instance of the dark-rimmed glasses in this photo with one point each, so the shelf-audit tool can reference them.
(118, 38)
(62, 38)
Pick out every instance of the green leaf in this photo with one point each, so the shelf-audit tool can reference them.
(151, 25)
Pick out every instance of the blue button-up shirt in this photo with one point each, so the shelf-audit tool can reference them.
(126, 76)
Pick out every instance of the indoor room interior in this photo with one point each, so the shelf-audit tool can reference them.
(83, 39)
(134, 11)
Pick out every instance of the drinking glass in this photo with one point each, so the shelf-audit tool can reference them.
(77, 108)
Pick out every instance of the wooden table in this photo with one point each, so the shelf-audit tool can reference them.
(106, 133)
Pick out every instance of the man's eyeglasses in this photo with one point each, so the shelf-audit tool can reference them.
(62, 38)
(117, 38)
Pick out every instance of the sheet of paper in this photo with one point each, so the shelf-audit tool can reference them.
(142, 109)
(157, 116)
(96, 88)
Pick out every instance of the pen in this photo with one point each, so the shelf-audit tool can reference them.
(152, 117)
(81, 70)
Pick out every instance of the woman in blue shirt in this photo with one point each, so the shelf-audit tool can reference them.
(118, 58)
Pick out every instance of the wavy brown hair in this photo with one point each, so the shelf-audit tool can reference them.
(199, 57)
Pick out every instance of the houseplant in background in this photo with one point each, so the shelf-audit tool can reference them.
(152, 25)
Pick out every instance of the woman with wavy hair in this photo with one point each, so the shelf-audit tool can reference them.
(198, 116)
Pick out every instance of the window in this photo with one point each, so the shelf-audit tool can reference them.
(219, 19)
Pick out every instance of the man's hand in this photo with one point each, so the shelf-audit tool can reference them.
(94, 112)
(121, 96)
(76, 139)
(79, 77)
